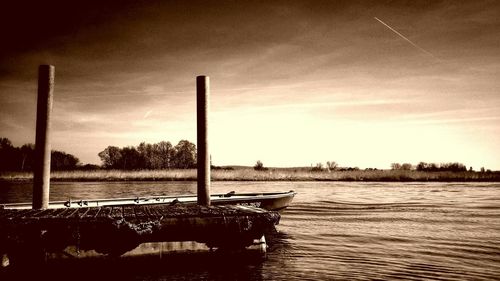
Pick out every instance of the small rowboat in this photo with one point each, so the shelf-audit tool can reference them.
(271, 201)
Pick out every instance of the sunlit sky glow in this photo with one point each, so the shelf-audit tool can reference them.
(293, 83)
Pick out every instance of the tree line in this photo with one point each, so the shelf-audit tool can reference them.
(432, 167)
(162, 155)
(422, 166)
(23, 158)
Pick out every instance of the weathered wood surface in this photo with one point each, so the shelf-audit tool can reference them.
(202, 143)
(118, 229)
(41, 171)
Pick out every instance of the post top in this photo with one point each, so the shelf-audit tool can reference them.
(46, 66)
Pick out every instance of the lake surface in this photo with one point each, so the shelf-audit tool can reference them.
(335, 230)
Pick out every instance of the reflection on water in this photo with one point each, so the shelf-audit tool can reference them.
(178, 266)
(332, 230)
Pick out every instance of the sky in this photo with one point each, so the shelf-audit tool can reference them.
(293, 83)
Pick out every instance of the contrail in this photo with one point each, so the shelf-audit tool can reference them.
(147, 114)
(407, 40)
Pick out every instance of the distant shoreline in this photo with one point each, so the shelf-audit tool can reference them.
(249, 174)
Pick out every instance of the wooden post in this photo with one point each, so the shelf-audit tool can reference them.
(202, 109)
(41, 177)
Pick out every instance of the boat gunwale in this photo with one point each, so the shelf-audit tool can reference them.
(150, 200)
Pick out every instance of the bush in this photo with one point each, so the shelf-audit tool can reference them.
(317, 168)
(259, 166)
(444, 167)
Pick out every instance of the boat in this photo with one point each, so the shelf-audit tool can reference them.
(271, 201)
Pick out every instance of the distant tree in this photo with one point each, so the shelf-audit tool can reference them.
(22, 158)
(161, 155)
(406, 166)
(5, 143)
(63, 161)
(89, 167)
(427, 167)
(165, 152)
(343, 169)
(111, 157)
(27, 152)
(422, 166)
(395, 166)
(433, 167)
(443, 167)
(331, 165)
(185, 155)
(145, 159)
(7, 155)
(156, 157)
(318, 167)
(453, 167)
(259, 166)
(131, 159)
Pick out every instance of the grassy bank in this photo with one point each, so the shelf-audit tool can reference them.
(249, 174)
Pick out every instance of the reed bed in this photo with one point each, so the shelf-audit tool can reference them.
(249, 174)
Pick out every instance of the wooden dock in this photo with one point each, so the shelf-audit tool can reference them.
(114, 230)
(29, 235)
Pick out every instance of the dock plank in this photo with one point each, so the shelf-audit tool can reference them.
(58, 212)
(128, 212)
(91, 213)
(104, 212)
(117, 211)
(41, 213)
(154, 213)
(140, 212)
(81, 212)
(71, 214)
(15, 214)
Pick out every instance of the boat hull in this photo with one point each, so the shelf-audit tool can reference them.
(274, 203)
(269, 201)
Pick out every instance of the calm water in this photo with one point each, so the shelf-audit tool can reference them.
(339, 230)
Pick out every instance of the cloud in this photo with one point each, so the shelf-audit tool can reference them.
(125, 72)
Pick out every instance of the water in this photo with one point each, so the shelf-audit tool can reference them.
(334, 230)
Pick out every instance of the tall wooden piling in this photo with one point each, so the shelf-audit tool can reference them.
(202, 110)
(41, 177)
